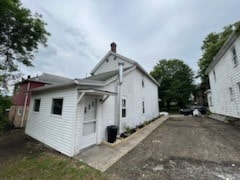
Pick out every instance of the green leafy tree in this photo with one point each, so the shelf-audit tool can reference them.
(176, 81)
(211, 45)
(5, 103)
(21, 32)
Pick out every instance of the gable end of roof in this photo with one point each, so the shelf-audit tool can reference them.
(229, 42)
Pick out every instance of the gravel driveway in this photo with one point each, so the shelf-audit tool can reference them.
(184, 148)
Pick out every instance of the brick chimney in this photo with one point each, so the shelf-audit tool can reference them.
(114, 47)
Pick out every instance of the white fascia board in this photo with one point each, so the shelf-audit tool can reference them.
(222, 51)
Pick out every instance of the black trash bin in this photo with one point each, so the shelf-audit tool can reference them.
(112, 133)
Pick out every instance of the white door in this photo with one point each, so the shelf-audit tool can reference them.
(89, 126)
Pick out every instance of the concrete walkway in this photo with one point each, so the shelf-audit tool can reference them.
(102, 156)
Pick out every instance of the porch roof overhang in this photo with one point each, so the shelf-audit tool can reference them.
(97, 92)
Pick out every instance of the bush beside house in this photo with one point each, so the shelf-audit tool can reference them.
(5, 103)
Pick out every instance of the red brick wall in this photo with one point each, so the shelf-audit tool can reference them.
(19, 94)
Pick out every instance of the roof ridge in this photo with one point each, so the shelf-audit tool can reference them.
(55, 75)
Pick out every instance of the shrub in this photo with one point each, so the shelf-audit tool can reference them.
(5, 103)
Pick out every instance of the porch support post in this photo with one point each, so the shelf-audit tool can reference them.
(80, 97)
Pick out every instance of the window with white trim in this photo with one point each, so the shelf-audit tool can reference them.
(234, 56)
(124, 113)
(57, 105)
(36, 106)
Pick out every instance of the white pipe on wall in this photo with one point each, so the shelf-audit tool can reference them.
(121, 64)
(25, 103)
(120, 78)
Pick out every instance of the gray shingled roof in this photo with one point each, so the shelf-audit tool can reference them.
(49, 79)
(105, 76)
(89, 81)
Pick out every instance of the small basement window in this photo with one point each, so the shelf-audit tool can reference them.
(57, 106)
(123, 107)
(36, 106)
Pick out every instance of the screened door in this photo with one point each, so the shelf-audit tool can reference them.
(89, 126)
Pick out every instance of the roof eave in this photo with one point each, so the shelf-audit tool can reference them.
(147, 74)
(233, 37)
(51, 87)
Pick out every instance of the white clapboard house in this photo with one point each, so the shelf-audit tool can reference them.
(74, 115)
(224, 77)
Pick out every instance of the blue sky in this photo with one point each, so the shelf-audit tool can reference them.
(144, 30)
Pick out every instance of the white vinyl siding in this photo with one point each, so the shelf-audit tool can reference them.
(107, 111)
(134, 93)
(111, 64)
(226, 101)
(54, 130)
(63, 130)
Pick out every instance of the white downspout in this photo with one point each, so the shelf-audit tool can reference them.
(120, 79)
(25, 103)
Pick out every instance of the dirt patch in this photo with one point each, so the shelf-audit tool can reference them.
(15, 144)
(184, 148)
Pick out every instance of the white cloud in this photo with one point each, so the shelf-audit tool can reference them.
(146, 31)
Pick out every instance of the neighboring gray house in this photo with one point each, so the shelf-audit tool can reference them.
(224, 77)
(74, 115)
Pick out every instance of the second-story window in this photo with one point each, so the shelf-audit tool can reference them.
(234, 56)
(143, 82)
(214, 75)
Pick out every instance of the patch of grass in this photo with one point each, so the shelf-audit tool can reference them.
(49, 166)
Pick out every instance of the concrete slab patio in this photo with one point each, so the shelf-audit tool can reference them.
(102, 156)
